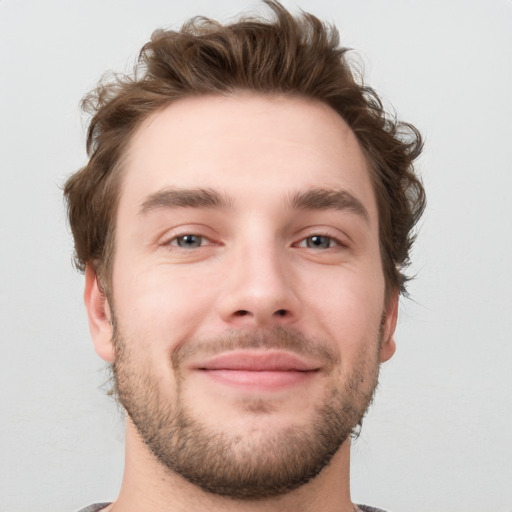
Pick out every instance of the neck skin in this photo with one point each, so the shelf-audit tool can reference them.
(148, 487)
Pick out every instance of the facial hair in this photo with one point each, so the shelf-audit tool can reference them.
(221, 462)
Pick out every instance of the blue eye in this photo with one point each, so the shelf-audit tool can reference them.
(319, 242)
(188, 241)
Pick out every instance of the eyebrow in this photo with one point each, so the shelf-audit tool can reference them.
(313, 199)
(328, 199)
(184, 198)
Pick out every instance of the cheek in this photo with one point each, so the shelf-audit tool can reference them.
(160, 306)
(349, 305)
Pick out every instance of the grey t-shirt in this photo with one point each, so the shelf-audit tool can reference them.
(94, 508)
(98, 506)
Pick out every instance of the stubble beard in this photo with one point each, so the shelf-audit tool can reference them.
(224, 463)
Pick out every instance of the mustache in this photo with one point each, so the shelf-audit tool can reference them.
(274, 338)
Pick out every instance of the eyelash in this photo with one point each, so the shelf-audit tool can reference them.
(333, 241)
(175, 241)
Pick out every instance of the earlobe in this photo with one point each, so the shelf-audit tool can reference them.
(99, 314)
(388, 345)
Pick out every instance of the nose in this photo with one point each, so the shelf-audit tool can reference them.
(259, 290)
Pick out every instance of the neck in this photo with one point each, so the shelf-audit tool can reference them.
(147, 486)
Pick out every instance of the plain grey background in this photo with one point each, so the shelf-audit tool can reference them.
(439, 436)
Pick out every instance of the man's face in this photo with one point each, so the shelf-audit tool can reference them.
(247, 290)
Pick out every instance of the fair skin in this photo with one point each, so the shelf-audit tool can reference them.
(263, 254)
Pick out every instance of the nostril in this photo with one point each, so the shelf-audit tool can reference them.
(241, 312)
(281, 312)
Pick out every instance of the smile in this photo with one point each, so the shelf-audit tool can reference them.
(261, 371)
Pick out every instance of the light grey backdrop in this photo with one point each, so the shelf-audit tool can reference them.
(439, 436)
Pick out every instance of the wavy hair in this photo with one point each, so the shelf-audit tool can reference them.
(287, 55)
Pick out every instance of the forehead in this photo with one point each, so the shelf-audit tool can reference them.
(247, 146)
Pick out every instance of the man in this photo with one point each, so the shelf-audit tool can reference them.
(243, 223)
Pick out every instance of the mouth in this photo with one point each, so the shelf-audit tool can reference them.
(256, 370)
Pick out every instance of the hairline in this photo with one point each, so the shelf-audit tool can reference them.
(104, 268)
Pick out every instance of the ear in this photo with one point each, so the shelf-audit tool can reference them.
(99, 313)
(388, 346)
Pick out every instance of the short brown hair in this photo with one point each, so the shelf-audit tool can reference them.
(297, 56)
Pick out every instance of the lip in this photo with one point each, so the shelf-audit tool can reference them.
(257, 361)
(256, 370)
